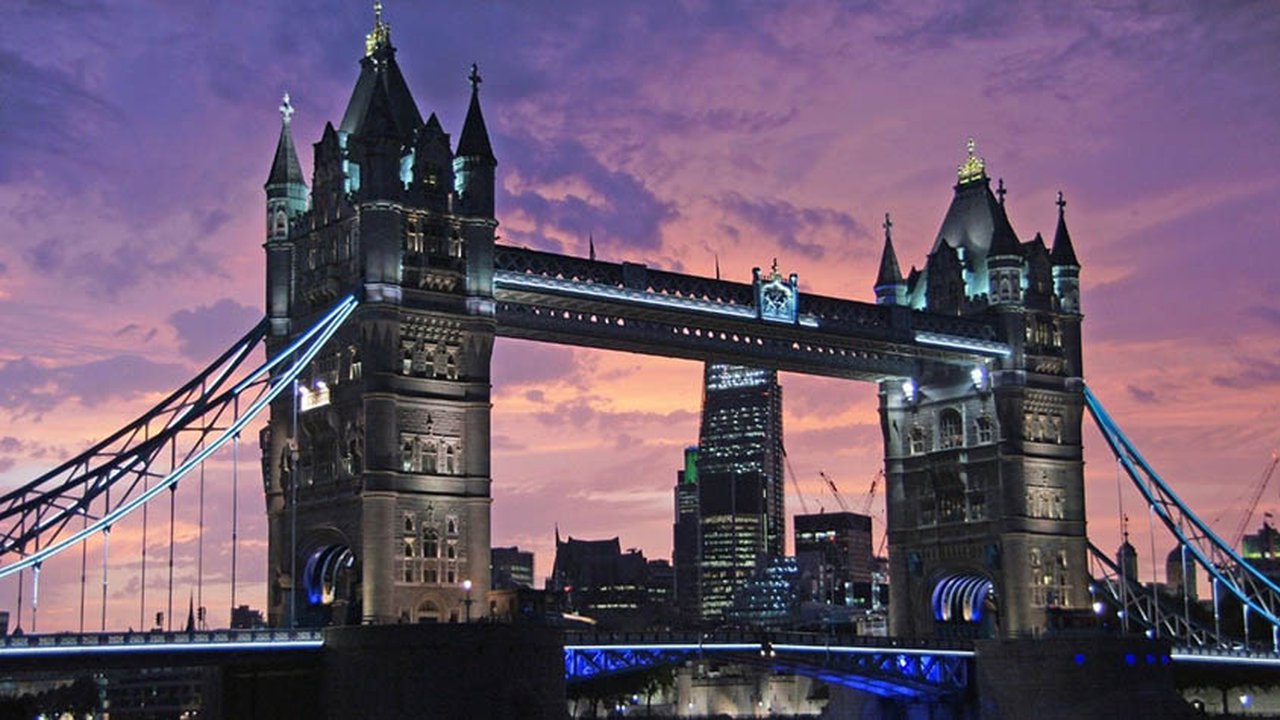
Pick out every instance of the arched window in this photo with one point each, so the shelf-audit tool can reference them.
(430, 545)
(408, 523)
(450, 462)
(429, 457)
(408, 548)
(919, 442)
(950, 429)
(984, 430)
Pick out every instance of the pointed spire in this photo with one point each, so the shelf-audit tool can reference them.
(1063, 253)
(973, 168)
(558, 543)
(1004, 241)
(474, 141)
(890, 273)
(285, 169)
(380, 36)
(591, 247)
(191, 614)
(717, 266)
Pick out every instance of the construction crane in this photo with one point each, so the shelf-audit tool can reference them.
(1257, 496)
(871, 494)
(834, 491)
(794, 480)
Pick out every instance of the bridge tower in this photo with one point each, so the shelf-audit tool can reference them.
(984, 464)
(376, 470)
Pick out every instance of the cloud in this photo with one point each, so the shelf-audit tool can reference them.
(1253, 373)
(1142, 395)
(798, 229)
(521, 363)
(28, 388)
(1267, 314)
(43, 112)
(206, 331)
(614, 206)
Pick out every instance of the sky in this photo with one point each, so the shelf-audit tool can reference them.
(135, 138)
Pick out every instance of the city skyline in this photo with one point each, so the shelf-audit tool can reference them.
(133, 212)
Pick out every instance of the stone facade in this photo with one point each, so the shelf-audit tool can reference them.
(381, 460)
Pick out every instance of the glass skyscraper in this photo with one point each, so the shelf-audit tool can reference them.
(739, 480)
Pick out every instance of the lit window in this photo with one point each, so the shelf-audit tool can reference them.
(984, 429)
(950, 432)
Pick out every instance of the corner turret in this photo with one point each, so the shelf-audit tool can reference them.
(890, 288)
(1066, 268)
(1004, 260)
(473, 164)
(286, 201)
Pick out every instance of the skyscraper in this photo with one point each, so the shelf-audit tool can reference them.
(739, 478)
(835, 549)
(686, 540)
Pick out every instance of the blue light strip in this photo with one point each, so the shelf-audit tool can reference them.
(872, 650)
(127, 648)
(1179, 656)
(987, 347)
(321, 331)
(522, 281)
(674, 647)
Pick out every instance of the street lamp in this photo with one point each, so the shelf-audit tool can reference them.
(466, 602)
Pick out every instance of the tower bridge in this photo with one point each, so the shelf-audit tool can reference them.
(386, 288)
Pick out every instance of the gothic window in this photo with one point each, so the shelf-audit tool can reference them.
(413, 236)
(451, 576)
(451, 363)
(983, 424)
(354, 366)
(408, 548)
(455, 245)
(408, 523)
(282, 224)
(919, 444)
(451, 525)
(450, 461)
(1057, 334)
(430, 545)
(950, 429)
(438, 363)
(429, 458)
(950, 497)
(406, 365)
(451, 550)
(407, 454)
(431, 576)
(408, 573)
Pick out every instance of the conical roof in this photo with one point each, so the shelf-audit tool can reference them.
(474, 141)
(285, 168)
(890, 272)
(1063, 253)
(380, 72)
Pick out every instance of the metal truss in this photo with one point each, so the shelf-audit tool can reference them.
(544, 296)
(1225, 566)
(882, 666)
(94, 490)
(1158, 613)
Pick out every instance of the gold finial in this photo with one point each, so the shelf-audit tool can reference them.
(776, 274)
(381, 34)
(286, 109)
(974, 167)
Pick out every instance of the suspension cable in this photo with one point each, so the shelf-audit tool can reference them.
(173, 503)
(1155, 566)
(142, 594)
(235, 512)
(200, 544)
(84, 566)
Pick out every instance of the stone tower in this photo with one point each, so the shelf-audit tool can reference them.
(376, 471)
(984, 464)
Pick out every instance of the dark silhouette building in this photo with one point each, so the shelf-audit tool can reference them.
(834, 554)
(739, 478)
(511, 567)
(686, 540)
(597, 580)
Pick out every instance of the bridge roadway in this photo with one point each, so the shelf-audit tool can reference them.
(628, 306)
(882, 665)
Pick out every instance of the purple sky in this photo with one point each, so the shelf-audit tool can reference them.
(135, 138)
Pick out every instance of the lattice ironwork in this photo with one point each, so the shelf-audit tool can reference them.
(94, 490)
(1224, 565)
(1163, 616)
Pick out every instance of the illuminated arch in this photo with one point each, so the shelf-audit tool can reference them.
(961, 598)
(325, 566)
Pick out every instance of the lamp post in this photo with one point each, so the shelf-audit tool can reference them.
(466, 602)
